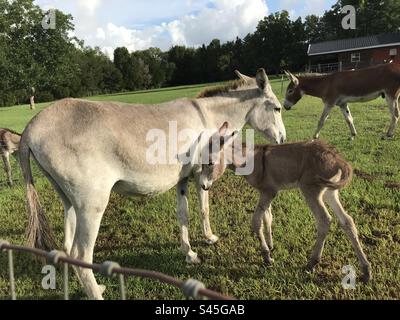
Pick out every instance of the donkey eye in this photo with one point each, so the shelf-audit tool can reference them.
(278, 110)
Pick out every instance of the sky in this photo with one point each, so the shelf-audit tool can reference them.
(140, 24)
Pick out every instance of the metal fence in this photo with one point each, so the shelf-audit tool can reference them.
(190, 288)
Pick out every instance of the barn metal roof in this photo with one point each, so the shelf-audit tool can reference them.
(383, 40)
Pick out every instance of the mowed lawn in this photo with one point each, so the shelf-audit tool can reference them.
(144, 233)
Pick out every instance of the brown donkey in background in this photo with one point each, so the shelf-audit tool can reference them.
(340, 88)
(314, 167)
(9, 144)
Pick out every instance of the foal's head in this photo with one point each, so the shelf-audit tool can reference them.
(293, 92)
(217, 162)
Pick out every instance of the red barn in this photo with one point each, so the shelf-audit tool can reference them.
(330, 56)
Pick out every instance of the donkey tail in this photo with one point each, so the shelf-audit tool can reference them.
(342, 179)
(38, 232)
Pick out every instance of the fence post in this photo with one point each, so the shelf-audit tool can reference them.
(10, 268)
(53, 258)
(191, 288)
(107, 269)
(65, 278)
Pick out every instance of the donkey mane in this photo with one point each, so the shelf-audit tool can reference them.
(221, 90)
(312, 75)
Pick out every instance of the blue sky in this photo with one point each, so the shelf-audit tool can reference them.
(139, 24)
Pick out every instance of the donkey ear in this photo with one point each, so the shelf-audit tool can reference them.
(223, 129)
(292, 78)
(262, 79)
(243, 77)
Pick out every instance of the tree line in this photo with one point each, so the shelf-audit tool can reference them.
(58, 65)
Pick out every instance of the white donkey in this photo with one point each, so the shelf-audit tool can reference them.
(88, 149)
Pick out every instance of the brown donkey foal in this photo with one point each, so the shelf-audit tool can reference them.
(314, 167)
(9, 144)
(341, 88)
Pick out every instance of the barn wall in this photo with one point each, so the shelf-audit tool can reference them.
(382, 54)
(368, 57)
(365, 55)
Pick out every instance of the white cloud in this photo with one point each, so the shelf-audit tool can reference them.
(317, 7)
(89, 6)
(225, 21)
(108, 25)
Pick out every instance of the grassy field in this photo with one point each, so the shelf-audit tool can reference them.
(143, 232)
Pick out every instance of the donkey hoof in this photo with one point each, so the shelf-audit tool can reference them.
(388, 137)
(268, 261)
(311, 266)
(193, 259)
(352, 138)
(366, 274)
(212, 240)
(102, 288)
(10, 184)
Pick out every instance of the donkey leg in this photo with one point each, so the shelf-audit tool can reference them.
(324, 117)
(394, 110)
(268, 218)
(6, 160)
(87, 227)
(69, 214)
(69, 226)
(349, 119)
(205, 215)
(323, 220)
(183, 218)
(347, 223)
(258, 226)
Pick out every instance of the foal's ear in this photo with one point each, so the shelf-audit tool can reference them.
(243, 77)
(262, 79)
(223, 129)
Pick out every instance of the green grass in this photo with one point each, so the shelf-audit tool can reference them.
(143, 232)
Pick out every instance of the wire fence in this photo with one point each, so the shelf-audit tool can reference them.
(190, 288)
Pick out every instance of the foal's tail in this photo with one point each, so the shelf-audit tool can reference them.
(346, 174)
(38, 232)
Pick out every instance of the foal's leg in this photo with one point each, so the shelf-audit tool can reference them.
(324, 117)
(393, 103)
(205, 215)
(183, 218)
(268, 226)
(7, 167)
(349, 119)
(347, 223)
(258, 226)
(323, 219)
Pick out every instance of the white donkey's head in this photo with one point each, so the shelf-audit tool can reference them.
(266, 116)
